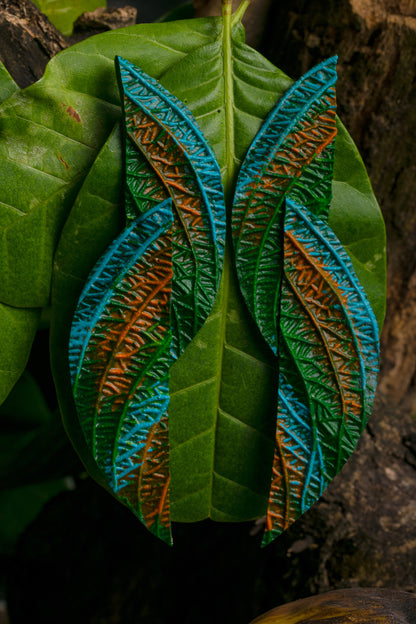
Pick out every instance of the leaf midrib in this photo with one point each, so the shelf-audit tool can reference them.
(227, 181)
(228, 174)
(227, 58)
(224, 294)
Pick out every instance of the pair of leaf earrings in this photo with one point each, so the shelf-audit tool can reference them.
(153, 289)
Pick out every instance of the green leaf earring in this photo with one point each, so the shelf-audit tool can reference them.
(148, 296)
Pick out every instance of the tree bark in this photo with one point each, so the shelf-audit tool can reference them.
(27, 40)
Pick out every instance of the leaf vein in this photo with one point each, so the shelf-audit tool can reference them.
(195, 385)
(242, 423)
(241, 485)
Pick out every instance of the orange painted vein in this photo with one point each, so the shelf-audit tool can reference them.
(287, 165)
(115, 336)
(336, 338)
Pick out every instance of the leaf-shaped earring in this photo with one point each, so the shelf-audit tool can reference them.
(328, 361)
(148, 296)
(301, 289)
(119, 361)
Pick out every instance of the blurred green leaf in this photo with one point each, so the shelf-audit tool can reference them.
(17, 331)
(25, 408)
(182, 12)
(33, 443)
(63, 13)
(17, 327)
(20, 506)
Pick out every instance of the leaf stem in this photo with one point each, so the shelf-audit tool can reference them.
(228, 95)
(238, 15)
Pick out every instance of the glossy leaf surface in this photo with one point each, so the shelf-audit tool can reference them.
(17, 327)
(70, 114)
(50, 136)
(63, 13)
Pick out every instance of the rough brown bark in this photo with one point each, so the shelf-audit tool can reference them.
(27, 40)
(106, 19)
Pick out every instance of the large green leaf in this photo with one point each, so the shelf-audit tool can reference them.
(33, 445)
(17, 331)
(34, 456)
(63, 13)
(50, 135)
(356, 220)
(223, 388)
(7, 84)
(17, 327)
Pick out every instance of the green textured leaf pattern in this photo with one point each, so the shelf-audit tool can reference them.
(300, 127)
(120, 355)
(328, 360)
(183, 167)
